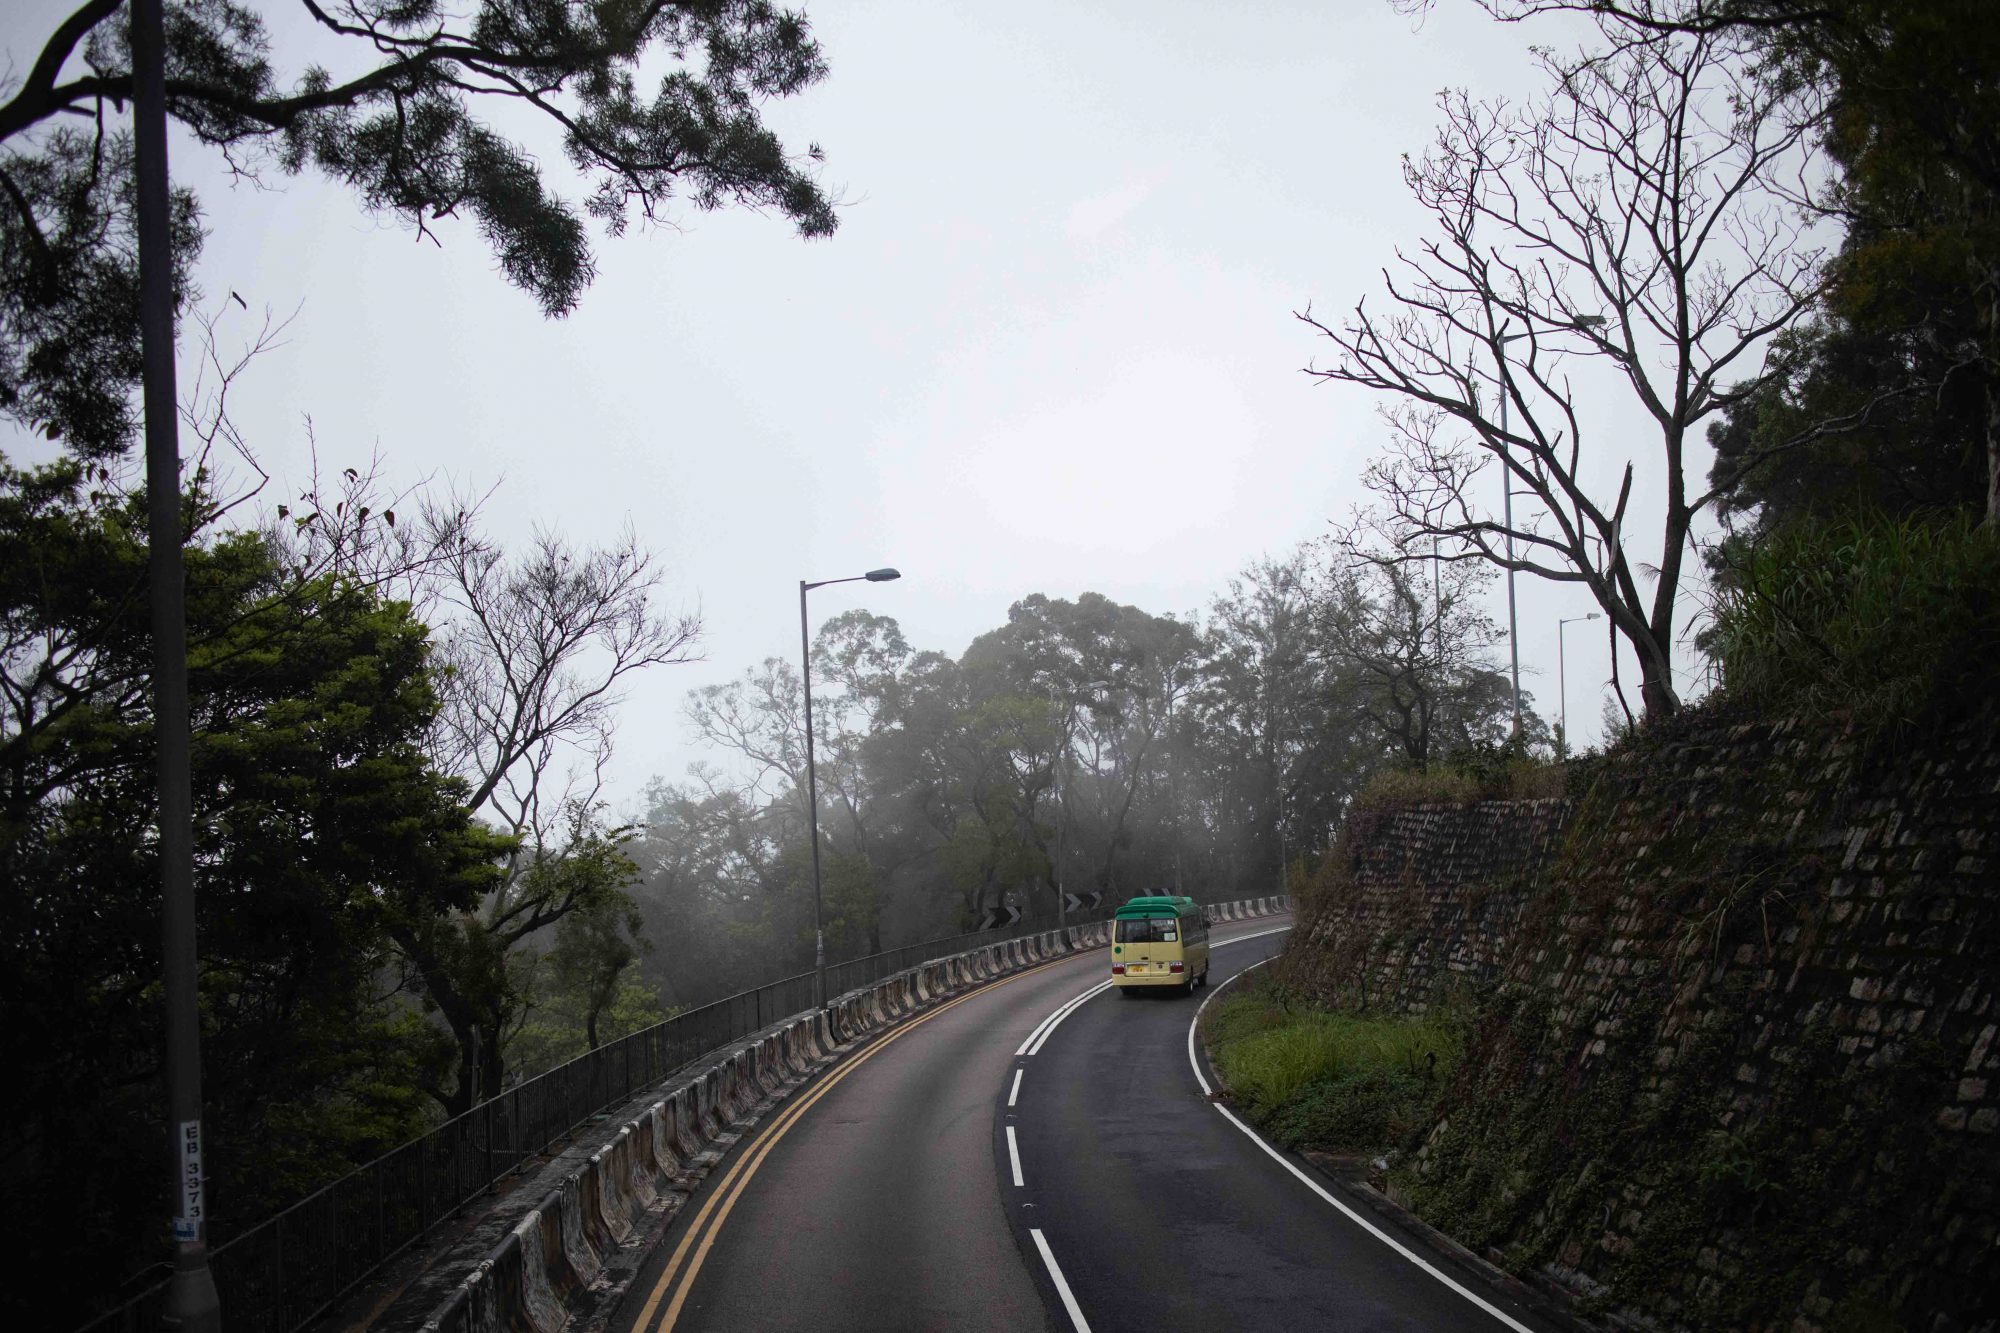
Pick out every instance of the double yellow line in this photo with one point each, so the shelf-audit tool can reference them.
(723, 1198)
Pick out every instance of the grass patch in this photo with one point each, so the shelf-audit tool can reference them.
(1335, 1082)
(1888, 619)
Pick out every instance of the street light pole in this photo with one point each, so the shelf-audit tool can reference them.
(191, 1304)
(812, 777)
(1500, 341)
(1562, 676)
(1062, 812)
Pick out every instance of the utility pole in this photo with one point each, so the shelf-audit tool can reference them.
(812, 799)
(192, 1305)
(812, 778)
(1507, 518)
(1562, 678)
(1062, 812)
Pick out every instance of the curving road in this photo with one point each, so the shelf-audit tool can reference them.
(882, 1196)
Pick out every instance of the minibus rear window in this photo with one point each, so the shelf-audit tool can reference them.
(1148, 930)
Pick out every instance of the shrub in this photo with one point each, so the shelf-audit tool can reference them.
(1357, 1112)
(1327, 1079)
(1504, 772)
(1890, 620)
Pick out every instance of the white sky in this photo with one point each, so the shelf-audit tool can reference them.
(1051, 348)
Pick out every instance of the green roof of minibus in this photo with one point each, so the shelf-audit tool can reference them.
(1159, 906)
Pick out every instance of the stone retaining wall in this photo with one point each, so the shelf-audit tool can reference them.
(1734, 1059)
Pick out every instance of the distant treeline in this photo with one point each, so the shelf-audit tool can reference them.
(1083, 747)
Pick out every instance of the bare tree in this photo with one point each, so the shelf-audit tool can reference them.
(1640, 216)
(761, 716)
(534, 650)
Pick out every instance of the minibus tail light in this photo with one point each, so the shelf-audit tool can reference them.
(1118, 969)
(1176, 967)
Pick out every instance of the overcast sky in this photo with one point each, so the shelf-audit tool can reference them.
(1051, 348)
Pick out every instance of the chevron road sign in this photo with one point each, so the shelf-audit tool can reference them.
(1076, 902)
(999, 916)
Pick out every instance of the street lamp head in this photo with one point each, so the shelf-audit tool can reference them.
(1593, 616)
(881, 575)
(1588, 321)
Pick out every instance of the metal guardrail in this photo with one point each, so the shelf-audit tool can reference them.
(289, 1269)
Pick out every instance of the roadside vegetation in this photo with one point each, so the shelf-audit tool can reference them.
(1331, 1082)
(1890, 620)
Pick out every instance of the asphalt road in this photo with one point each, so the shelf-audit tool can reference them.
(882, 1195)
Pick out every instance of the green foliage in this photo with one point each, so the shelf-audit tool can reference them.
(1325, 1080)
(1891, 620)
(476, 968)
(317, 818)
(1883, 402)
(1357, 1110)
(1418, 644)
(406, 134)
(1503, 772)
(69, 350)
(558, 1029)
(1084, 743)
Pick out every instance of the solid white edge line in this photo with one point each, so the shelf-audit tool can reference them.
(1014, 1156)
(1076, 1318)
(1015, 1091)
(1315, 1187)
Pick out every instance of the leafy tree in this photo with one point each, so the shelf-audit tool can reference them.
(1260, 728)
(1912, 439)
(1113, 675)
(857, 661)
(714, 890)
(474, 967)
(582, 991)
(410, 133)
(317, 819)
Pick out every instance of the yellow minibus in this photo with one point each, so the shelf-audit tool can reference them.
(1159, 942)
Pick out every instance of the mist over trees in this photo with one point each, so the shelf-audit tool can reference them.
(411, 891)
(1083, 747)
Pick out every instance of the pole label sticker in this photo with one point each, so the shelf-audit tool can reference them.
(187, 1146)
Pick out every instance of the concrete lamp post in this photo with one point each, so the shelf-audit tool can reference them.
(1562, 676)
(1500, 341)
(812, 779)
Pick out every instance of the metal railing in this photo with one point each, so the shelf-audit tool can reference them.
(286, 1271)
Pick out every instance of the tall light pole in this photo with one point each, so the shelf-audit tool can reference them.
(1562, 675)
(812, 778)
(191, 1304)
(1500, 341)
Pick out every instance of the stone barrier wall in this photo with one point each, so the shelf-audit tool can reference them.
(1733, 1057)
(576, 1242)
(1415, 903)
